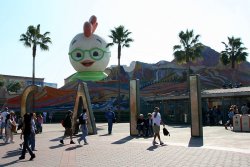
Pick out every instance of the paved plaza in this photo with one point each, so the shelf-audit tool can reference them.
(218, 147)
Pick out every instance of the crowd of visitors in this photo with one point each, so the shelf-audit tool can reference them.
(215, 116)
(31, 124)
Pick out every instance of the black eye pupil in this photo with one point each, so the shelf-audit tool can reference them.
(95, 53)
(78, 55)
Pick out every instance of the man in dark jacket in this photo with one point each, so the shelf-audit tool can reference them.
(68, 127)
(110, 116)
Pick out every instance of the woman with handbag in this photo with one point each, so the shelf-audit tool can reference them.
(10, 125)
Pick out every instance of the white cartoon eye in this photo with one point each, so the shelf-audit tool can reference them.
(77, 55)
(96, 53)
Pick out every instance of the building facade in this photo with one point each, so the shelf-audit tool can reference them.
(9, 79)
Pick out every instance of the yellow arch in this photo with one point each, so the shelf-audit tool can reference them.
(83, 94)
(24, 98)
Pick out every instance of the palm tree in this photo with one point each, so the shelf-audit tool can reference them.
(234, 52)
(189, 50)
(120, 36)
(32, 38)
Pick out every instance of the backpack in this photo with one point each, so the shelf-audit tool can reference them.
(165, 132)
(81, 120)
(63, 123)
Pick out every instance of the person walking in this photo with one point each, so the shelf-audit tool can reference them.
(244, 109)
(156, 116)
(83, 122)
(39, 123)
(68, 128)
(110, 116)
(230, 118)
(32, 141)
(3, 125)
(9, 133)
(26, 131)
(44, 117)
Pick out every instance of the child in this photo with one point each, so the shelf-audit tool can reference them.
(140, 125)
(149, 125)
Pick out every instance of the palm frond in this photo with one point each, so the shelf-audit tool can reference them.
(224, 58)
(46, 33)
(180, 57)
(126, 45)
(43, 46)
(109, 44)
(177, 47)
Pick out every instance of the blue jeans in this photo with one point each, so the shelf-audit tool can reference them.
(32, 141)
(110, 125)
(84, 133)
(26, 139)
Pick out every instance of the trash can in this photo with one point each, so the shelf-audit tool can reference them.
(245, 119)
(237, 123)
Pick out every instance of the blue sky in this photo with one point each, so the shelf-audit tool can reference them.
(154, 24)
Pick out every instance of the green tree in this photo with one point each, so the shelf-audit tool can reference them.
(33, 39)
(190, 48)
(120, 36)
(1, 82)
(13, 87)
(234, 52)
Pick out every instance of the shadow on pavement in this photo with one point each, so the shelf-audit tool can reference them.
(123, 140)
(99, 128)
(3, 144)
(57, 146)
(56, 139)
(195, 142)
(9, 164)
(105, 135)
(179, 126)
(12, 153)
(73, 148)
(152, 148)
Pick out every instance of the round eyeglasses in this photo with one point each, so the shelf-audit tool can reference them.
(95, 53)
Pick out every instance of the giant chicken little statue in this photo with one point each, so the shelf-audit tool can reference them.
(88, 54)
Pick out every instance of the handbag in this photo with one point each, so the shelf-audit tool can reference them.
(165, 131)
(13, 128)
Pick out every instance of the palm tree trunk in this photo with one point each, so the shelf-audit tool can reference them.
(33, 77)
(119, 83)
(33, 69)
(233, 67)
(33, 72)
